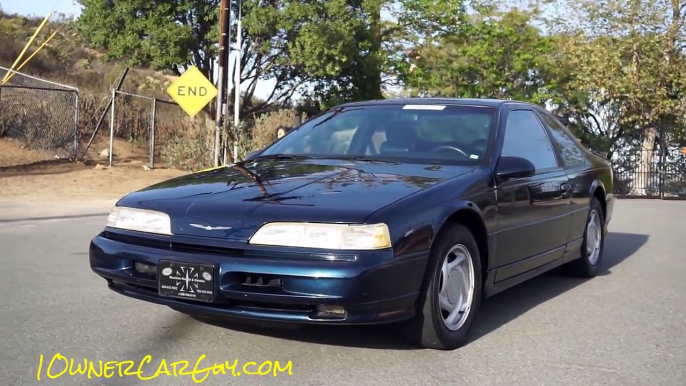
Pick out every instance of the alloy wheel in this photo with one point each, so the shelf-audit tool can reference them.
(456, 287)
(593, 237)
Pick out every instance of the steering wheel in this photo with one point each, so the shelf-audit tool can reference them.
(450, 148)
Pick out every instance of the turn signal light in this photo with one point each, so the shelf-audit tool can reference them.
(330, 312)
(145, 268)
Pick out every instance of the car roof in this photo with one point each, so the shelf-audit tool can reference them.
(435, 101)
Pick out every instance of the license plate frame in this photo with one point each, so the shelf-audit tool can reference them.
(186, 280)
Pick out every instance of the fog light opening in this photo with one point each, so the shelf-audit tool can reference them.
(330, 312)
(145, 268)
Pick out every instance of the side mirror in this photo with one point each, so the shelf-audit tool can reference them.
(514, 167)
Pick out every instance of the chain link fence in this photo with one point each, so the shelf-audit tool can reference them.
(154, 132)
(38, 120)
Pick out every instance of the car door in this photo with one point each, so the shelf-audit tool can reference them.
(576, 166)
(532, 213)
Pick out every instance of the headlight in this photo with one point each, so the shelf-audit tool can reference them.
(140, 220)
(324, 236)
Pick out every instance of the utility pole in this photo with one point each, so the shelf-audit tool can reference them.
(237, 87)
(224, 49)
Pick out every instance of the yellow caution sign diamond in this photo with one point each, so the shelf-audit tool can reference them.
(192, 91)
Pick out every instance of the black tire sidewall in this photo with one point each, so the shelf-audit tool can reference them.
(455, 234)
(593, 268)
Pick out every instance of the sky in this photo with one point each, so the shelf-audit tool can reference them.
(40, 7)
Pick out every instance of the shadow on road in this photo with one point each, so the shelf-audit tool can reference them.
(48, 167)
(495, 312)
(508, 305)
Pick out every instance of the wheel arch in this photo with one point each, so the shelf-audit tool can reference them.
(470, 216)
(598, 191)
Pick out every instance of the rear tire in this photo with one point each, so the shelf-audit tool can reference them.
(592, 246)
(453, 281)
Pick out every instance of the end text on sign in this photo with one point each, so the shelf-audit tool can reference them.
(192, 90)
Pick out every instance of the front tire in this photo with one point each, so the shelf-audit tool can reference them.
(592, 246)
(450, 298)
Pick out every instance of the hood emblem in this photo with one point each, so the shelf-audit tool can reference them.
(210, 228)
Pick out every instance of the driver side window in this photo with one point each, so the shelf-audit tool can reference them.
(525, 137)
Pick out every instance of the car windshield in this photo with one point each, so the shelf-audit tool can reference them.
(401, 133)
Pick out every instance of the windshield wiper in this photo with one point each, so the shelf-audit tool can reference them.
(365, 159)
(281, 156)
(343, 157)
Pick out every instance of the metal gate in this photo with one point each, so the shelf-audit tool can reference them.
(662, 176)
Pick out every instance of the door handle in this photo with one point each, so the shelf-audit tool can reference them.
(566, 189)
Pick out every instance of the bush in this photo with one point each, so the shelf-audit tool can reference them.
(191, 151)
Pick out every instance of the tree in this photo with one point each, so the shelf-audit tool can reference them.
(163, 34)
(332, 46)
(625, 58)
(492, 53)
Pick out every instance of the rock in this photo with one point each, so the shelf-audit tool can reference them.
(99, 167)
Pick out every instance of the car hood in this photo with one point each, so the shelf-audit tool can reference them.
(232, 202)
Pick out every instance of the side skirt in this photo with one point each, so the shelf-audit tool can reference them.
(528, 269)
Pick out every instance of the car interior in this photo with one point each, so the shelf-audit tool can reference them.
(413, 134)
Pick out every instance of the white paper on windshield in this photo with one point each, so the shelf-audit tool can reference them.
(423, 107)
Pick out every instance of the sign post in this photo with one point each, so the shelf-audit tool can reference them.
(192, 91)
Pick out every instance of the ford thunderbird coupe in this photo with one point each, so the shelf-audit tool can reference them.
(404, 211)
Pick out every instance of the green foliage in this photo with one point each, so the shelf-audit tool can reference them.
(498, 55)
(625, 63)
(332, 45)
(163, 34)
(192, 151)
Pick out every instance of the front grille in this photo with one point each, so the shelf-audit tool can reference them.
(166, 245)
(222, 302)
(274, 306)
(179, 247)
(256, 280)
(172, 246)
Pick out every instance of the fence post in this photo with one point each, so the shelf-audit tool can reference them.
(661, 171)
(114, 93)
(152, 134)
(104, 113)
(224, 150)
(76, 128)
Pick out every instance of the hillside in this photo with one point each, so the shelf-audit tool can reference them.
(67, 58)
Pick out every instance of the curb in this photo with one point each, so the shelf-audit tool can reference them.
(48, 218)
(25, 210)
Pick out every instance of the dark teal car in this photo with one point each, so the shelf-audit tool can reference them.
(406, 211)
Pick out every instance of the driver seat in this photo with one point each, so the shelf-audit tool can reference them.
(401, 137)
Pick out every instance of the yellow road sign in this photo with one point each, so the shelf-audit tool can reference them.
(192, 91)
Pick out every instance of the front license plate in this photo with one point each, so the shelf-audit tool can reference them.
(186, 280)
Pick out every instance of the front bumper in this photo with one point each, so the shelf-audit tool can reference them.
(373, 288)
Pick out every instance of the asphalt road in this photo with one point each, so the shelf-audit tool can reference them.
(625, 327)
